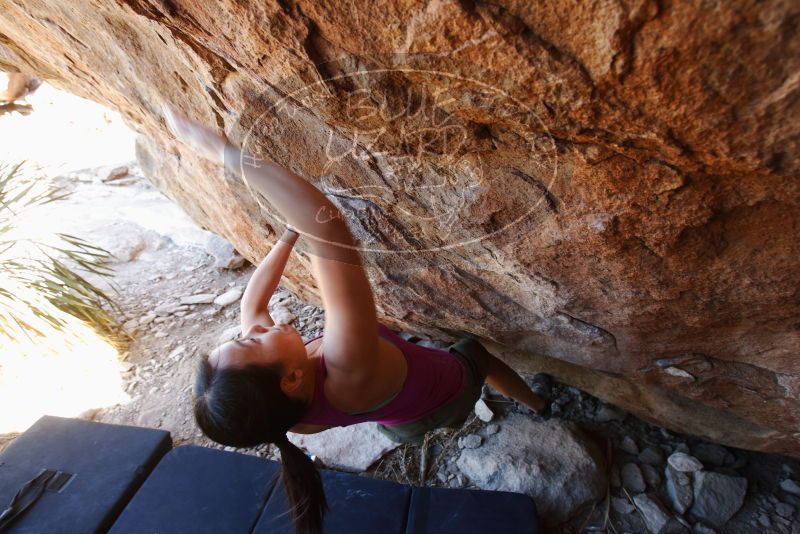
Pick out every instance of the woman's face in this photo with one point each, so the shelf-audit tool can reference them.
(262, 345)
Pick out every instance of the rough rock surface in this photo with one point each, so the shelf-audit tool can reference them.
(550, 461)
(351, 448)
(679, 489)
(610, 186)
(717, 497)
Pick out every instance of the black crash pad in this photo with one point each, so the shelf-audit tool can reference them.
(442, 510)
(108, 464)
(357, 505)
(196, 490)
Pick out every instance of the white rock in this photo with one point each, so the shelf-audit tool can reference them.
(163, 310)
(200, 298)
(470, 441)
(130, 324)
(677, 371)
(351, 448)
(282, 315)
(109, 174)
(180, 349)
(551, 461)
(229, 297)
(684, 463)
(229, 334)
(145, 320)
(483, 411)
(225, 256)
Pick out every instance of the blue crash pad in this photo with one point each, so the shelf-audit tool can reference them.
(108, 462)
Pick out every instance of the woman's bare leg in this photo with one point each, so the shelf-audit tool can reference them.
(506, 381)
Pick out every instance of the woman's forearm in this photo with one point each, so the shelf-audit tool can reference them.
(300, 203)
(267, 276)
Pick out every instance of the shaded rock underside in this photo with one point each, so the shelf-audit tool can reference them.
(606, 190)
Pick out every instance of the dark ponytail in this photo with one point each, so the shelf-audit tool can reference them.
(303, 487)
(245, 407)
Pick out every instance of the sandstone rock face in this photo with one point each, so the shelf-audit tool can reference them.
(606, 190)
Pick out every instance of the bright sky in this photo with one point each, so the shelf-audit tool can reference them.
(64, 133)
(62, 373)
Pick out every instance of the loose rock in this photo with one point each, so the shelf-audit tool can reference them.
(200, 298)
(790, 486)
(629, 446)
(684, 463)
(470, 441)
(229, 297)
(607, 413)
(700, 528)
(679, 489)
(653, 512)
(114, 174)
(652, 456)
(229, 334)
(710, 453)
(622, 506)
(717, 497)
(225, 256)
(632, 479)
(784, 510)
(483, 411)
(651, 475)
(282, 315)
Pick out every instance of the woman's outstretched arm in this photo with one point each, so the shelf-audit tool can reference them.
(350, 343)
(255, 301)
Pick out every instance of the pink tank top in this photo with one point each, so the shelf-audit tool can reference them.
(435, 377)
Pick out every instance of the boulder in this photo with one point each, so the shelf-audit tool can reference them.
(588, 185)
(551, 461)
(351, 448)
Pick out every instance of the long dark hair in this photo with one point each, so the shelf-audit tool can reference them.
(245, 407)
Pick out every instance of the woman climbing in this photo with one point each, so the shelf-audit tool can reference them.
(255, 389)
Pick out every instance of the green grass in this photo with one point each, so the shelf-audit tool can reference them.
(39, 282)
